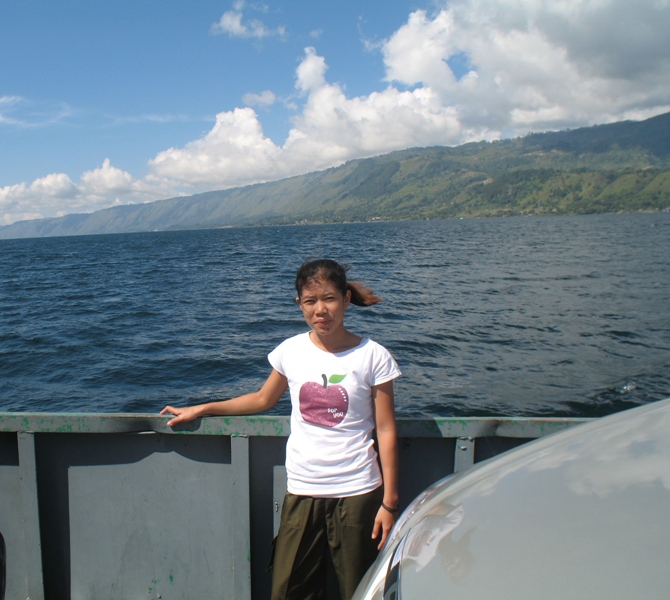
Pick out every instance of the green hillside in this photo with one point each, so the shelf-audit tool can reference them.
(620, 167)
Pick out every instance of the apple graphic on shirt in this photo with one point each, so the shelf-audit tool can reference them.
(324, 404)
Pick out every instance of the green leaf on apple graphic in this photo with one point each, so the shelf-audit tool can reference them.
(331, 379)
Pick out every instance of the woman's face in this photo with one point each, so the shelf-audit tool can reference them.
(323, 306)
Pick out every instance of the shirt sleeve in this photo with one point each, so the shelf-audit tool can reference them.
(385, 367)
(275, 359)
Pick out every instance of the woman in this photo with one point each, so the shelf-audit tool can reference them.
(339, 501)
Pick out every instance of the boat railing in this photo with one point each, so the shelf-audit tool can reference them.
(110, 506)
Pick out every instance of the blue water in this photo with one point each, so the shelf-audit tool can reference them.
(557, 316)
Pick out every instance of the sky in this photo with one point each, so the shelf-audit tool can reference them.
(132, 101)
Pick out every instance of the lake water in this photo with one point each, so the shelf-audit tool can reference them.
(557, 316)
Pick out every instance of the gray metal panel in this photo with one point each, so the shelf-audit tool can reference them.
(422, 461)
(3, 565)
(266, 455)
(30, 515)
(241, 517)
(19, 517)
(465, 454)
(163, 526)
(12, 520)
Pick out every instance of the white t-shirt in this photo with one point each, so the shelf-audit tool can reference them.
(330, 452)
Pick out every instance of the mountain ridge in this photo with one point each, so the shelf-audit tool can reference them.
(618, 167)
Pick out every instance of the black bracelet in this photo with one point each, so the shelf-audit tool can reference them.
(391, 510)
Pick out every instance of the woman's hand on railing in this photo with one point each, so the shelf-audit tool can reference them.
(182, 415)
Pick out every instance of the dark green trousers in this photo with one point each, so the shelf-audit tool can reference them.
(314, 529)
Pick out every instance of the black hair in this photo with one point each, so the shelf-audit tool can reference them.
(325, 269)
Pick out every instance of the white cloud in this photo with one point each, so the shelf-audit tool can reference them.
(311, 74)
(148, 118)
(56, 194)
(265, 98)
(538, 65)
(106, 180)
(56, 185)
(7, 104)
(477, 69)
(234, 152)
(234, 24)
(524, 70)
(416, 53)
(330, 130)
(333, 128)
(17, 111)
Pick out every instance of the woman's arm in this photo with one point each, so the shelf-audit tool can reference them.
(387, 440)
(249, 404)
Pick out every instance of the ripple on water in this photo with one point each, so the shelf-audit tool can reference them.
(543, 316)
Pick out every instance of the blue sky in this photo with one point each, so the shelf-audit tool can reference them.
(105, 103)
